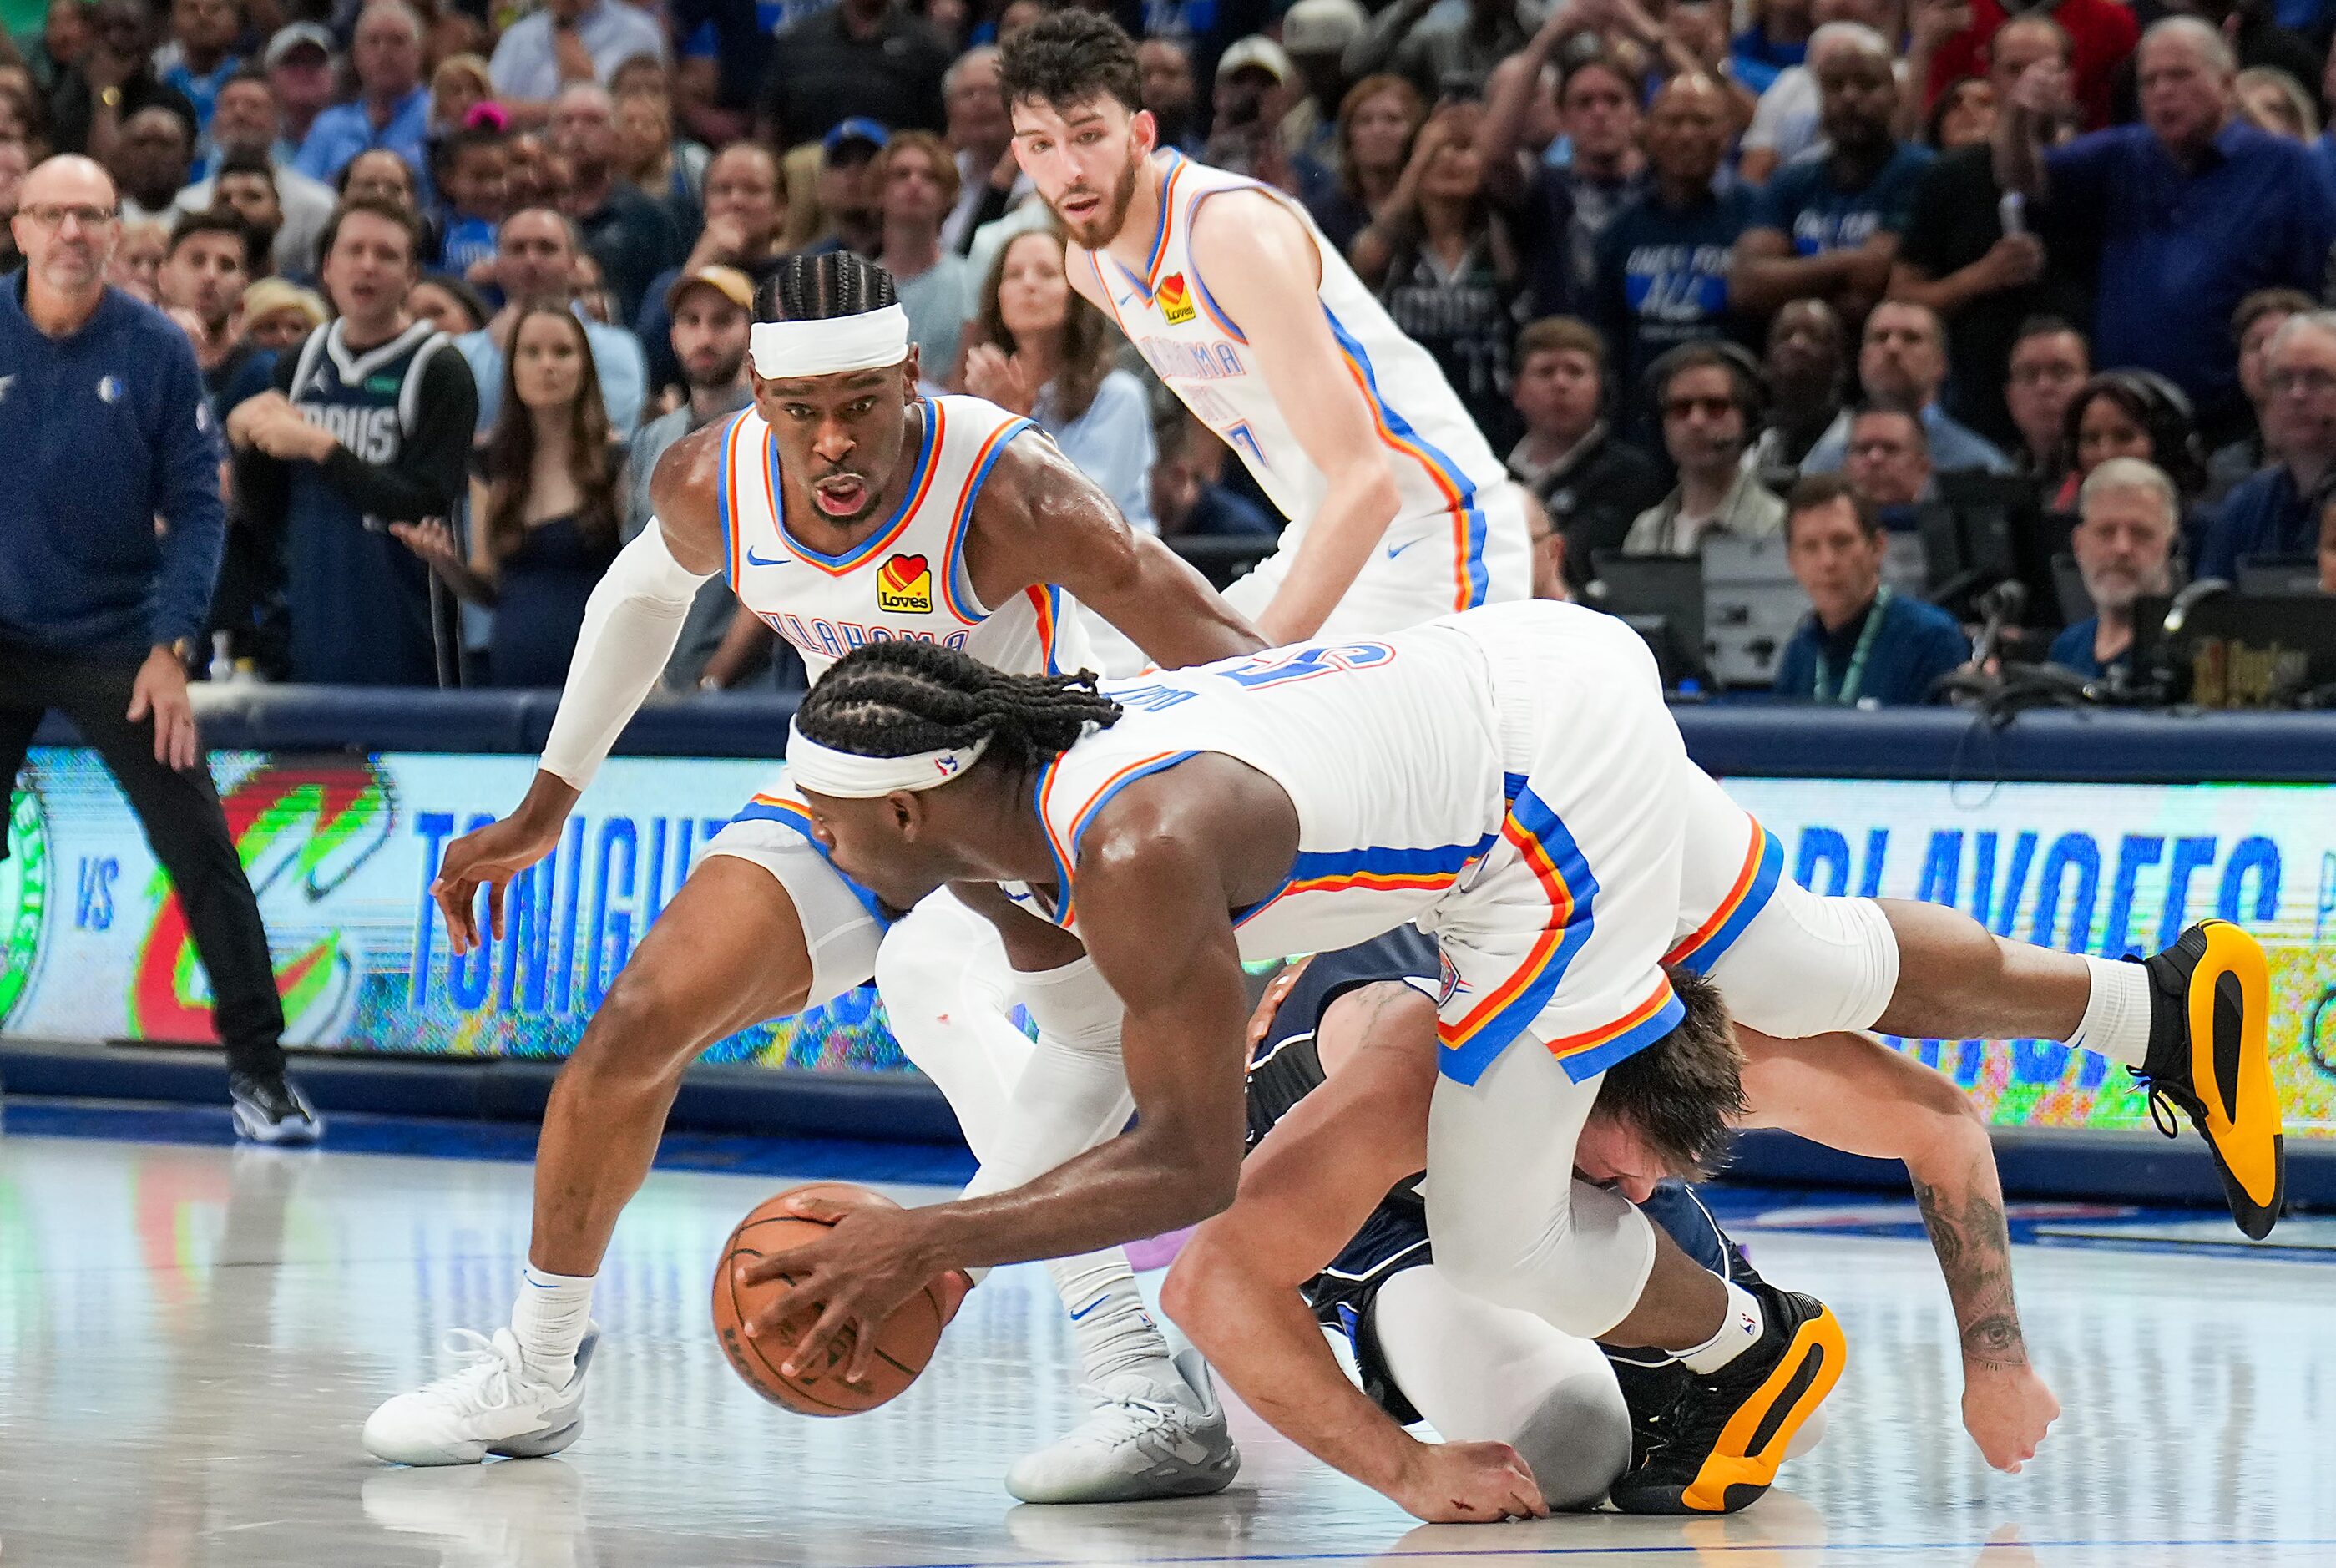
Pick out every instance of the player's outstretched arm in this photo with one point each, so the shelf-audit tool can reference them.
(1305, 1191)
(1040, 521)
(1850, 1092)
(631, 623)
(1264, 272)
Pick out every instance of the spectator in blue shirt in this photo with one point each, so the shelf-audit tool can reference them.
(110, 532)
(201, 55)
(1862, 646)
(391, 109)
(1778, 38)
(535, 258)
(2128, 511)
(2194, 209)
(568, 40)
(2277, 511)
(1662, 268)
(1827, 226)
(1903, 364)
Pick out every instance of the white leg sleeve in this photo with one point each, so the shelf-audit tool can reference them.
(1487, 1374)
(1074, 1094)
(1511, 1223)
(943, 976)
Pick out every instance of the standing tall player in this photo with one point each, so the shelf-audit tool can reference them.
(1400, 512)
(845, 509)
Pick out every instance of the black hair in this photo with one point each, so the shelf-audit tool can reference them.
(1067, 58)
(2160, 408)
(446, 149)
(822, 287)
(901, 697)
(219, 221)
(2047, 325)
(251, 160)
(1873, 405)
(1685, 1093)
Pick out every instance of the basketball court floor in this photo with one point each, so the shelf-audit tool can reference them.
(190, 1336)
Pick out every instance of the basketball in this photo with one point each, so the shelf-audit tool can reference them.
(904, 1347)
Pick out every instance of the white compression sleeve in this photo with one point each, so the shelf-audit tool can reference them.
(631, 623)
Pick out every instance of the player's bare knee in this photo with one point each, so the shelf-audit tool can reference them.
(641, 1034)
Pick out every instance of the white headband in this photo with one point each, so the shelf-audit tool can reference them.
(868, 341)
(847, 775)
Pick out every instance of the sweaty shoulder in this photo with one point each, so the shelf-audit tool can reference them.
(1213, 813)
(684, 491)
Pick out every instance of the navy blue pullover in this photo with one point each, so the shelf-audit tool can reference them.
(104, 431)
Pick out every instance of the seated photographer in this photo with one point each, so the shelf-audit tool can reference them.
(2124, 545)
(1862, 646)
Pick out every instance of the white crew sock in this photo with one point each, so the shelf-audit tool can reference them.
(1115, 1332)
(1739, 1330)
(549, 1320)
(2116, 1024)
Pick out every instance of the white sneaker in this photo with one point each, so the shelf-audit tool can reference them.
(494, 1405)
(1148, 1438)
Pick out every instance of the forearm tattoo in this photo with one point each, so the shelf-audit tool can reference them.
(1975, 1249)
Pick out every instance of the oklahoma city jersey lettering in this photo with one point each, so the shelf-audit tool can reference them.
(1440, 460)
(1390, 837)
(907, 580)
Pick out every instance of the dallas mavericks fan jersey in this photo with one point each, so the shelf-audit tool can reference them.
(908, 577)
(362, 609)
(1441, 463)
(1389, 827)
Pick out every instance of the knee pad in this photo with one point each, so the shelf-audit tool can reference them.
(1809, 963)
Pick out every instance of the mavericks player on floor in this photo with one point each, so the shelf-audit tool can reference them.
(1400, 512)
(843, 508)
(1511, 779)
(1329, 1206)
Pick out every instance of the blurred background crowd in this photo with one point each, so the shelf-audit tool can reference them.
(1869, 307)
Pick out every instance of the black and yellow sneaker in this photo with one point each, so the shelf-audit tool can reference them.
(1724, 1436)
(2210, 1057)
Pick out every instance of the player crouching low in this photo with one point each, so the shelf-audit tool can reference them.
(1329, 1228)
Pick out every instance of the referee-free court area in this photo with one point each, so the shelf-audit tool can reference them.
(190, 1336)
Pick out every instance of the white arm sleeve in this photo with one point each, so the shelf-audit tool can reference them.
(631, 623)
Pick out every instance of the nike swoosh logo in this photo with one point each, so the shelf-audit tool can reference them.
(754, 560)
(1393, 550)
(1090, 1309)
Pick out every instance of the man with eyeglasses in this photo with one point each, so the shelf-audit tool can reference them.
(2277, 511)
(1707, 395)
(111, 527)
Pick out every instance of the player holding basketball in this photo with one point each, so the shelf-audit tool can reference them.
(1511, 779)
(1329, 1206)
(844, 506)
(1399, 510)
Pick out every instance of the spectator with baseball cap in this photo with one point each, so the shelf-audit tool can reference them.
(1315, 36)
(298, 62)
(392, 108)
(851, 211)
(710, 308)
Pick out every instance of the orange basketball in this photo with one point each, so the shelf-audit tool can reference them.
(902, 1349)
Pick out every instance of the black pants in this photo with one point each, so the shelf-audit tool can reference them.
(184, 826)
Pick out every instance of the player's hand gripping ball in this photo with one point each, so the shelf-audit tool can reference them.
(903, 1345)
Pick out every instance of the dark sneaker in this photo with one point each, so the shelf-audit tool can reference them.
(1720, 1442)
(2210, 1059)
(269, 1110)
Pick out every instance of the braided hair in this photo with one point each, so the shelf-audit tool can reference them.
(898, 697)
(822, 287)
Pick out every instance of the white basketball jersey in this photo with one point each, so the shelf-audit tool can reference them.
(1388, 825)
(1441, 463)
(908, 577)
